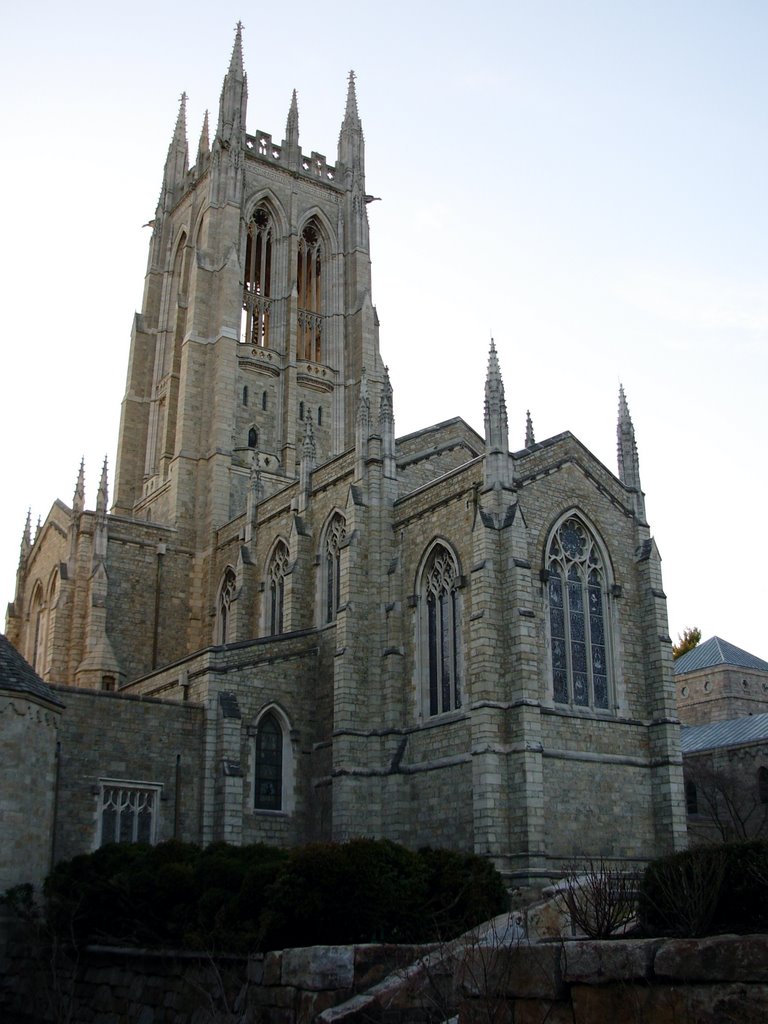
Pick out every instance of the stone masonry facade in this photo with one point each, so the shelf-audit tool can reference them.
(295, 625)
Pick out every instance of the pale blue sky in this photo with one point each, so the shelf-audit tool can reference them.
(583, 179)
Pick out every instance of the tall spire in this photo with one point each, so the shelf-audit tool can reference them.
(497, 466)
(351, 141)
(530, 440)
(629, 463)
(292, 123)
(177, 161)
(78, 500)
(102, 496)
(234, 96)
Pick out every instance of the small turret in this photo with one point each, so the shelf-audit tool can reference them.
(497, 464)
(530, 440)
(628, 461)
(291, 140)
(177, 161)
(78, 499)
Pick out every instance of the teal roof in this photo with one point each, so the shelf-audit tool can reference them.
(715, 652)
(734, 733)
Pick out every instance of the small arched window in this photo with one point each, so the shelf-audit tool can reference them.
(226, 597)
(253, 438)
(441, 631)
(319, 415)
(691, 797)
(334, 537)
(276, 573)
(257, 283)
(268, 771)
(309, 284)
(264, 400)
(301, 410)
(245, 395)
(577, 617)
(762, 784)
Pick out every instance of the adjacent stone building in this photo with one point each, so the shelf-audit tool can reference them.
(334, 632)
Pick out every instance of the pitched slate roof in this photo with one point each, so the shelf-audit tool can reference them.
(749, 729)
(717, 652)
(18, 676)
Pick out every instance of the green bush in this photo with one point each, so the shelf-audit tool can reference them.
(707, 890)
(227, 898)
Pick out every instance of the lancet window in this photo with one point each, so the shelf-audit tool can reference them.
(226, 597)
(127, 813)
(268, 770)
(335, 535)
(577, 617)
(276, 573)
(441, 643)
(257, 282)
(310, 305)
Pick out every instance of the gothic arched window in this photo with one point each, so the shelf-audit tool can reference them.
(691, 797)
(268, 761)
(577, 617)
(257, 279)
(441, 626)
(226, 597)
(335, 534)
(253, 437)
(37, 623)
(762, 784)
(309, 284)
(278, 567)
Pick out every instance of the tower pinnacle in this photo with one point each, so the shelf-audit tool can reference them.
(497, 467)
(628, 461)
(291, 141)
(177, 161)
(351, 141)
(78, 499)
(529, 435)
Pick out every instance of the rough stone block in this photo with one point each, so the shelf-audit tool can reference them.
(319, 967)
(670, 1004)
(524, 971)
(718, 958)
(596, 963)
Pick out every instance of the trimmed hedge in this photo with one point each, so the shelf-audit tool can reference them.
(706, 890)
(238, 899)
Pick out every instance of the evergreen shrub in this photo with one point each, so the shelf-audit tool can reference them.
(248, 898)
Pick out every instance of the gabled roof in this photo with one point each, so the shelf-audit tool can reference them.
(717, 652)
(749, 729)
(18, 676)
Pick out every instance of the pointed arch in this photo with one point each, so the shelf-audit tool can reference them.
(311, 273)
(226, 595)
(258, 268)
(439, 641)
(273, 761)
(332, 539)
(578, 575)
(278, 563)
(37, 635)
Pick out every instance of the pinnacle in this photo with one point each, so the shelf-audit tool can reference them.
(236, 60)
(529, 435)
(351, 114)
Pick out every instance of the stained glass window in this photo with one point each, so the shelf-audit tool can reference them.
(442, 631)
(278, 567)
(226, 597)
(577, 614)
(268, 780)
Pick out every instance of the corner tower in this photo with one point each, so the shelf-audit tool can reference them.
(257, 315)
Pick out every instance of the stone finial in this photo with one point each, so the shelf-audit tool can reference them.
(498, 469)
(203, 146)
(177, 161)
(78, 500)
(292, 123)
(351, 142)
(627, 457)
(26, 538)
(530, 440)
(236, 60)
(234, 95)
(102, 496)
(386, 415)
(351, 115)
(39, 527)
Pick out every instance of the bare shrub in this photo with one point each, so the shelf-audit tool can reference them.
(600, 898)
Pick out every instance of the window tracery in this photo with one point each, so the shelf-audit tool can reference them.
(278, 569)
(577, 617)
(310, 304)
(335, 535)
(127, 813)
(257, 282)
(226, 597)
(442, 628)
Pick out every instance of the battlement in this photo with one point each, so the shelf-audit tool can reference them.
(315, 165)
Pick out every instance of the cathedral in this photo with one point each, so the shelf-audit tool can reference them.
(291, 625)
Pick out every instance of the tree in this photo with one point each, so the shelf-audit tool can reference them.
(690, 639)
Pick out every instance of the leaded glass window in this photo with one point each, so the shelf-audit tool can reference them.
(268, 779)
(335, 535)
(442, 631)
(257, 285)
(226, 597)
(577, 617)
(310, 304)
(127, 813)
(278, 567)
